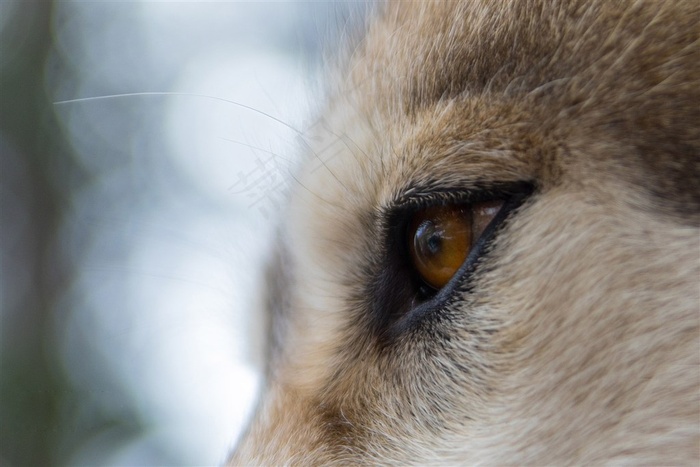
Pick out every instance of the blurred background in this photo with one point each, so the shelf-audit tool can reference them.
(143, 153)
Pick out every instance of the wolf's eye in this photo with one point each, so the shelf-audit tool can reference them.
(440, 238)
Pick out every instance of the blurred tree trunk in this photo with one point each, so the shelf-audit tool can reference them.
(31, 386)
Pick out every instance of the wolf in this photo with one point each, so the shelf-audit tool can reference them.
(491, 251)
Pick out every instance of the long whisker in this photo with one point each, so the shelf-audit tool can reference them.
(256, 148)
(186, 94)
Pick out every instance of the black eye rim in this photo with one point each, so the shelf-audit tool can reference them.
(397, 302)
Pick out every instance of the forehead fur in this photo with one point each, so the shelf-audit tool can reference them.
(625, 74)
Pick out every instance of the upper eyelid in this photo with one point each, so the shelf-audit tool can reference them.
(416, 197)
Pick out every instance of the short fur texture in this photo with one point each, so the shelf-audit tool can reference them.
(576, 340)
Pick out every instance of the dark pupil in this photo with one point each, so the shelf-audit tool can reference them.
(434, 243)
(430, 237)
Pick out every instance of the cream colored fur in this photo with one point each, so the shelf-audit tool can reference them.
(577, 340)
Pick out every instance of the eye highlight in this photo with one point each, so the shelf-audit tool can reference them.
(441, 237)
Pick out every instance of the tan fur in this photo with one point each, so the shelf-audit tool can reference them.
(577, 340)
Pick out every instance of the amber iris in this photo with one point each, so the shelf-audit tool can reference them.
(440, 238)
